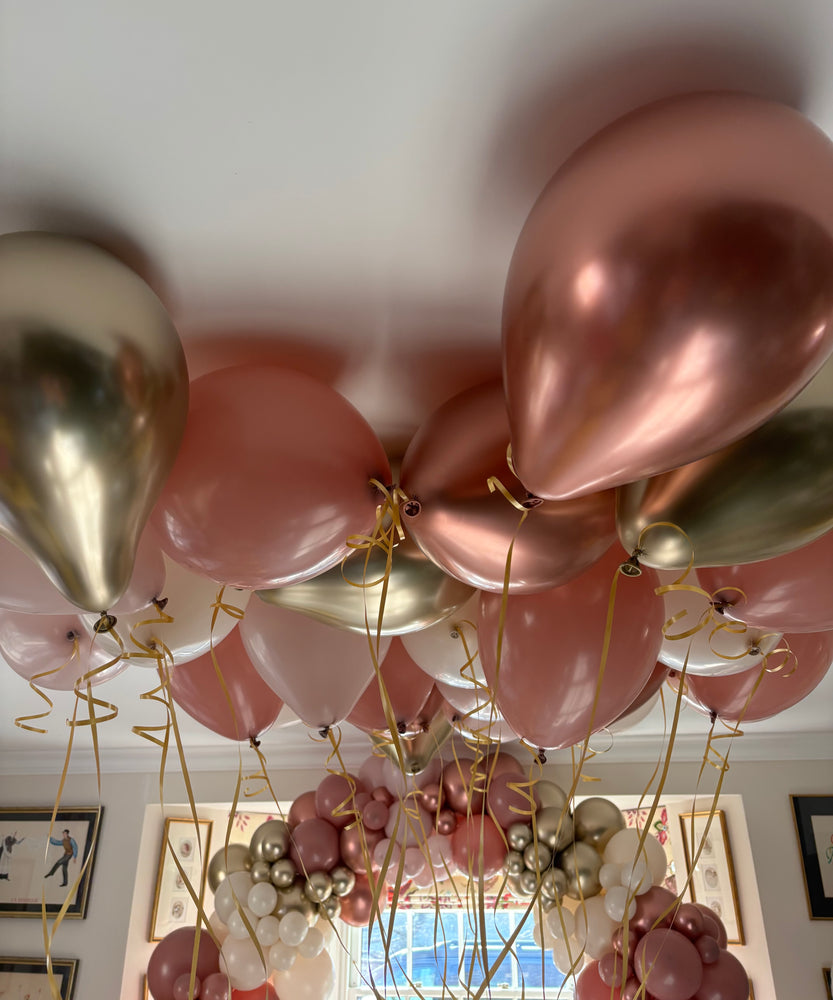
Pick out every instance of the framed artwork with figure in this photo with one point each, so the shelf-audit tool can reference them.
(813, 815)
(55, 859)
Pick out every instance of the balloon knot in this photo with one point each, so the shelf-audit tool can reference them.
(411, 508)
(531, 501)
(160, 603)
(401, 728)
(105, 623)
(754, 651)
(254, 742)
(719, 607)
(712, 717)
(324, 732)
(632, 567)
(542, 757)
(72, 635)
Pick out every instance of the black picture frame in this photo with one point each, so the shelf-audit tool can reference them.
(24, 868)
(33, 975)
(813, 815)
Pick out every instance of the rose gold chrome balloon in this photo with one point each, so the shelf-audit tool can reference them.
(467, 529)
(672, 289)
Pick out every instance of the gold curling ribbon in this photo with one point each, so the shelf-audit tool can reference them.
(23, 720)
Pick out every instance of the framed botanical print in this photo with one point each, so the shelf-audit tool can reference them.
(173, 906)
(713, 875)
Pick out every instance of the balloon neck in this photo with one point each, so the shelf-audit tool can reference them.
(411, 508)
(72, 636)
(542, 757)
(160, 603)
(531, 501)
(631, 567)
(712, 717)
(754, 650)
(324, 732)
(720, 607)
(105, 623)
(401, 728)
(254, 742)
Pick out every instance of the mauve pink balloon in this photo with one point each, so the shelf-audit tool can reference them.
(790, 593)
(611, 968)
(708, 948)
(466, 529)
(32, 644)
(182, 987)
(318, 670)
(172, 957)
(446, 822)
(668, 964)
(650, 906)
(315, 846)
(724, 979)
(302, 808)
(478, 847)
(272, 478)
(671, 289)
(197, 689)
(777, 691)
(506, 804)
(722, 937)
(462, 782)
(407, 688)
(552, 647)
(503, 763)
(335, 800)
(618, 940)
(688, 920)
(216, 987)
(352, 851)
(652, 685)
(590, 985)
(357, 905)
(375, 815)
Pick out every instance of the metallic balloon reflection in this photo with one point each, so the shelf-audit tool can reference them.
(417, 751)
(93, 399)
(419, 593)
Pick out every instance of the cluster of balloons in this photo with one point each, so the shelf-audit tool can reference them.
(169, 968)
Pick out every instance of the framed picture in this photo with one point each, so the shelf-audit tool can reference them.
(713, 876)
(27, 977)
(24, 874)
(172, 904)
(813, 816)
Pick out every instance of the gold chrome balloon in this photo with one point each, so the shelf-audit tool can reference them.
(417, 751)
(554, 827)
(270, 841)
(519, 835)
(283, 872)
(537, 856)
(344, 880)
(596, 820)
(261, 871)
(513, 863)
(581, 864)
(419, 593)
(222, 864)
(553, 884)
(93, 400)
(765, 495)
(330, 908)
(318, 887)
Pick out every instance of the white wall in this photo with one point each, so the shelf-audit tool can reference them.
(798, 947)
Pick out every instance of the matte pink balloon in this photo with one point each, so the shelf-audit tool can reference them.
(34, 644)
(315, 846)
(552, 647)
(503, 763)
(478, 847)
(777, 691)
(407, 688)
(272, 478)
(668, 964)
(708, 949)
(611, 968)
(182, 987)
(652, 685)
(216, 987)
(688, 920)
(196, 688)
(302, 808)
(171, 958)
(724, 979)
(461, 783)
(335, 801)
(650, 906)
(352, 850)
(466, 529)
(670, 291)
(709, 914)
(590, 985)
(25, 587)
(318, 670)
(790, 593)
(375, 815)
(508, 805)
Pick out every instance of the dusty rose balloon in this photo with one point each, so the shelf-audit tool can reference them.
(590, 985)
(506, 803)
(652, 685)
(446, 822)
(503, 763)
(335, 800)
(272, 477)
(357, 906)
(302, 808)
(777, 691)
(711, 918)
(688, 920)
(552, 647)
(790, 593)
(724, 979)
(673, 257)
(351, 849)
(650, 907)
(618, 941)
(611, 968)
(382, 794)
(668, 964)
(375, 815)
(407, 689)
(216, 987)
(182, 987)
(315, 846)
(478, 847)
(467, 529)
(430, 798)
(197, 689)
(172, 957)
(708, 948)
(461, 784)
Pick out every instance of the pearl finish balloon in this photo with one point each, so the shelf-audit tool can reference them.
(555, 827)
(767, 494)
(262, 898)
(93, 399)
(622, 849)
(419, 594)
(673, 257)
(581, 864)
(444, 650)
(232, 892)
(270, 841)
(467, 529)
(596, 820)
(233, 858)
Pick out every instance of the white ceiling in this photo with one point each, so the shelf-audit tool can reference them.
(339, 186)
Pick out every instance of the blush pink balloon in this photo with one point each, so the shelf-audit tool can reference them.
(357, 905)
(506, 804)
(37, 644)
(503, 763)
(478, 847)
(407, 689)
(466, 529)
(335, 800)
(688, 920)
(673, 234)
(182, 987)
(724, 979)
(353, 843)
(272, 478)
(375, 815)
(216, 987)
(708, 948)
(552, 647)
(668, 964)
(196, 688)
(301, 809)
(790, 593)
(652, 685)
(650, 907)
(590, 985)
(460, 781)
(777, 691)
(296, 656)
(712, 921)
(611, 968)
(315, 846)
(171, 958)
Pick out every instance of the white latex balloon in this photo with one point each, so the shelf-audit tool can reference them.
(622, 848)
(308, 979)
(312, 944)
(440, 650)
(560, 923)
(439, 850)
(594, 927)
(262, 898)
(267, 931)
(616, 902)
(712, 650)
(636, 876)
(235, 924)
(218, 926)
(243, 962)
(293, 928)
(631, 719)
(237, 884)
(282, 956)
(610, 875)
(564, 953)
(414, 862)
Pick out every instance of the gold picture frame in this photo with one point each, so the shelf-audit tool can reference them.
(713, 875)
(185, 851)
(29, 976)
